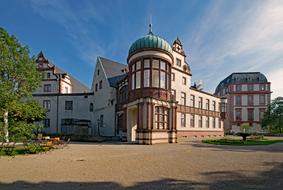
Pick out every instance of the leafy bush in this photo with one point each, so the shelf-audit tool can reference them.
(35, 148)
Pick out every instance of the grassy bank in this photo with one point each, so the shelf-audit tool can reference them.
(236, 142)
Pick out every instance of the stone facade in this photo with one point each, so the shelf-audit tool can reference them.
(248, 96)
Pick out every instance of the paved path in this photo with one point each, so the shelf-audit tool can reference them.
(168, 166)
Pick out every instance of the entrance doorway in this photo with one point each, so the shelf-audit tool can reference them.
(132, 115)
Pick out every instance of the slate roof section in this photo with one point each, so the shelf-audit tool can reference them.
(113, 81)
(242, 77)
(113, 68)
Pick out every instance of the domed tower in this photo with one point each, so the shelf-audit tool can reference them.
(151, 113)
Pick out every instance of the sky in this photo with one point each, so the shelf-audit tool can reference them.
(219, 37)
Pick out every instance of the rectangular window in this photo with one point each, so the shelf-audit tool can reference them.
(262, 99)
(200, 103)
(250, 114)
(238, 88)
(48, 75)
(138, 79)
(47, 104)
(146, 63)
(174, 94)
(192, 101)
(207, 104)
(192, 121)
(184, 80)
(155, 78)
(214, 106)
(47, 88)
(162, 79)
(250, 100)
(207, 122)
(200, 121)
(46, 123)
(250, 87)
(178, 62)
(161, 117)
(133, 67)
(97, 71)
(238, 114)
(133, 81)
(238, 100)
(68, 105)
(146, 78)
(101, 121)
(96, 87)
(172, 76)
(100, 84)
(214, 122)
(262, 87)
(162, 65)
(183, 120)
(261, 114)
(138, 65)
(183, 98)
(155, 64)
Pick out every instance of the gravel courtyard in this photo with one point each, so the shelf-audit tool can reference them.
(186, 165)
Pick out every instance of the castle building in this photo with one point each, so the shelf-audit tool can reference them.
(248, 96)
(150, 100)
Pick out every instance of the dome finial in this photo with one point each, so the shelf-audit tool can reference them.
(150, 25)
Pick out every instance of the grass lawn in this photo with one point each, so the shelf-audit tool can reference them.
(237, 142)
(23, 151)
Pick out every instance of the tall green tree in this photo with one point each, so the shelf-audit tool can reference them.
(273, 117)
(18, 77)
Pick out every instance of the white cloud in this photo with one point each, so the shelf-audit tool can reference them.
(75, 24)
(276, 79)
(239, 36)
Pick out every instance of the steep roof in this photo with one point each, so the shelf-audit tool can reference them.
(112, 68)
(77, 86)
(242, 77)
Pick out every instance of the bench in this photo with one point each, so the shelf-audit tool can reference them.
(8, 147)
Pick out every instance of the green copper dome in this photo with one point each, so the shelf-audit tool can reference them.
(150, 41)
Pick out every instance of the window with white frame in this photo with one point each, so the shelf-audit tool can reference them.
(183, 120)
(178, 62)
(192, 101)
(183, 98)
(200, 121)
(47, 88)
(161, 117)
(47, 104)
(68, 105)
(192, 121)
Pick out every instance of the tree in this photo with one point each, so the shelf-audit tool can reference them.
(273, 117)
(18, 78)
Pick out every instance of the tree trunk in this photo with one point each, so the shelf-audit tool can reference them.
(5, 129)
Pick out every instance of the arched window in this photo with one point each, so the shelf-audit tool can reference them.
(91, 107)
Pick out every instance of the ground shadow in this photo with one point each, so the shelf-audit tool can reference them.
(270, 179)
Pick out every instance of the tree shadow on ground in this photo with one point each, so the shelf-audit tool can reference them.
(270, 179)
(274, 148)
